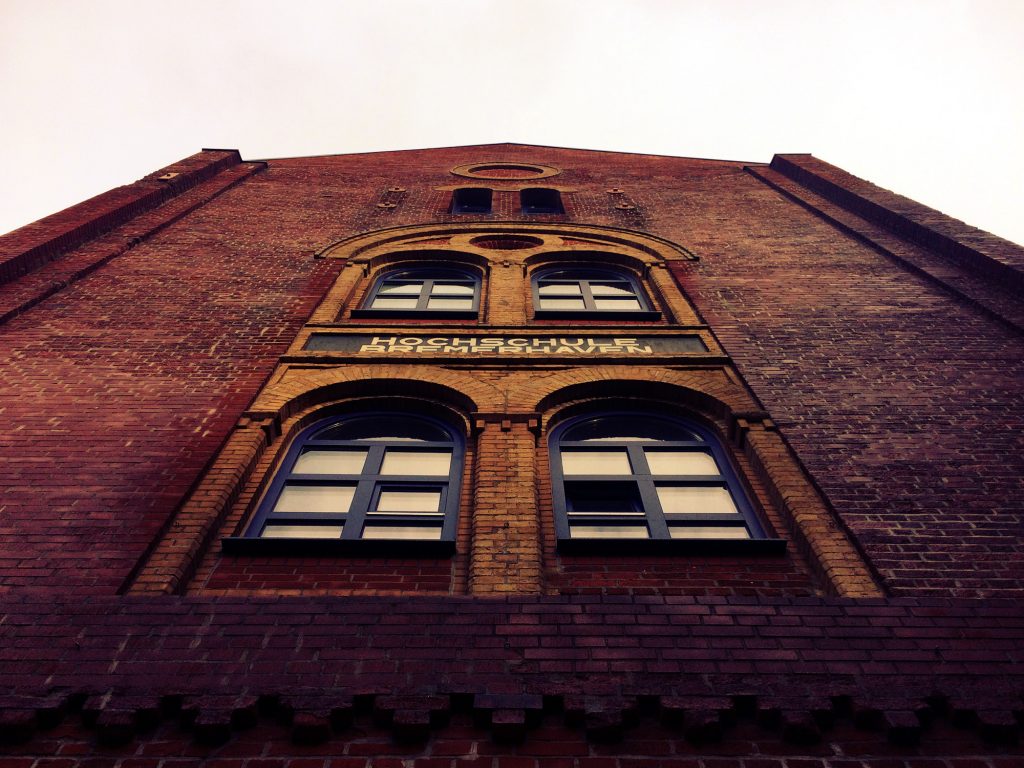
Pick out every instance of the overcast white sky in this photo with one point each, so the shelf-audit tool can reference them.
(925, 97)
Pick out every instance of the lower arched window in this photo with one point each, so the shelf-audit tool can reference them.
(375, 477)
(642, 476)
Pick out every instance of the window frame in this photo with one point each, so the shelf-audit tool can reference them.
(590, 309)
(461, 207)
(645, 484)
(368, 485)
(532, 209)
(427, 275)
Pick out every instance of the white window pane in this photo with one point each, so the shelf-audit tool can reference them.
(628, 305)
(393, 289)
(315, 498)
(384, 302)
(611, 289)
(317, 462)
(681, 463)
(559, 289)
(608, 532)
(443, 303)
(708, 532)
(393, 500)
(302, 532)
(595, 463)
(561, 303)
(421, 532)
(422, 463)
(452, 289)
(695, 500)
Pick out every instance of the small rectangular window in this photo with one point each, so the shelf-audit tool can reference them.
(471, 200)
(539, 201)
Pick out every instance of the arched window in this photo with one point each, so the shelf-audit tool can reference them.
(592, 291)
(635, 475)
(369, 477)
(437, 291)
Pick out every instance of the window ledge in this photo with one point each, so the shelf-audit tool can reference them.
(594, 314)
(241, 545)
(708, 547)
(439, 314)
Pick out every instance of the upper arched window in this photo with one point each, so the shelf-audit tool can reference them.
(441, 291)
(376, 476)
(636, 475)
(589, 290)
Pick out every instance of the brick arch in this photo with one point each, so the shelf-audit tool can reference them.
(300, 392)
(704, 391)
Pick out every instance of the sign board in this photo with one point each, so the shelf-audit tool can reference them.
(505, 346)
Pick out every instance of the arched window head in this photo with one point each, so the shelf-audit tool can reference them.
(381, 478)
(589, 291)
(434, 291)
(631, 476)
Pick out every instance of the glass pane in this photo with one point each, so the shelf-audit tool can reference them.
(609, 532)
(559, 289)
(423, 463)
(302, 532)
(396, 500)
(622, 305)
(561, 303)
(708, 532)
(392, 289)
(616, 497)
(453, 289)
(384, 302)
(444, 303)
(596, 463)
(421, 532)
(611, 289)
(315, 498)
(681, 463)
(633, 426)
(317, 462)
(684, 500)
(384, 427)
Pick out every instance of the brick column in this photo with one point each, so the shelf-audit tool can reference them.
(505, 555)
(507, 294)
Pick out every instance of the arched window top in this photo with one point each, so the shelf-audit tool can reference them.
(440, 291)
(363, 483)
(645, 476)
(585, 290)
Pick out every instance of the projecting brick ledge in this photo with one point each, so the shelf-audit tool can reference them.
(697, 664)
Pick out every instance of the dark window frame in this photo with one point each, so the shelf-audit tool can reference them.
(539, 201)
(584, 276)
(427, 276)
(368, 485)
(464, 202)
(642, 490)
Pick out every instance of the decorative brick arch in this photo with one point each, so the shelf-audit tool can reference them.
(299, 390)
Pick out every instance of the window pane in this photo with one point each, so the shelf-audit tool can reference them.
(315, 498)
(396, 500)
(559, 289)
(385, 427)
(609, 532)
(595, 463)
(421, 532)
(677, 499)
(445, 303)
(453, 289)
(611, 289)
(681, 463)
(302, 532)
(627, 427)
(423, 463)
(317, 462)
(708, 532)
(384, 302)
(561, 303)
(627, 305)
(619, 497)
(392, 289)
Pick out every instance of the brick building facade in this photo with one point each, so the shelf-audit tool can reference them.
(506, 456)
